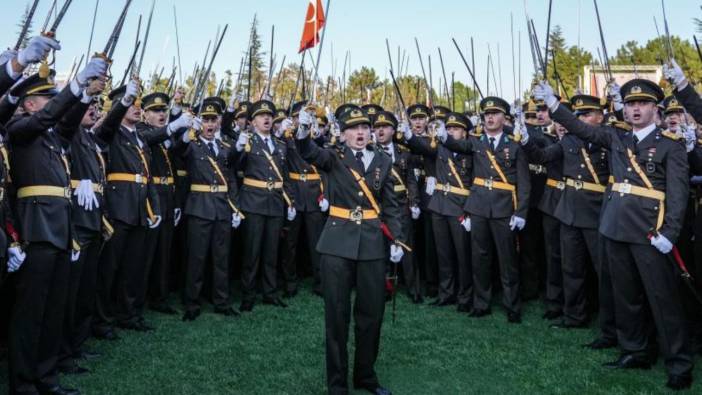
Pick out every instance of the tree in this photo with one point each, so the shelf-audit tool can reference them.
(565, 63)
(21, 24)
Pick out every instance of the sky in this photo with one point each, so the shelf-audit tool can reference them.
(357, 26)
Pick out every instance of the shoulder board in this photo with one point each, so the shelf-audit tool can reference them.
(622, 125)
(670, 135)
(226, 144)
(699, 141)
(474, 134)
(516, 137)
(402, 148)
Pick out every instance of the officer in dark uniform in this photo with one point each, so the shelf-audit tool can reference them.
(640, 222)
(454, 177)
(306, 184)
(263, 198)
(406, 192)
(210, 211)
(497, 206)
(353, 248)
(585, 167)
(39, 139)
(372, 110)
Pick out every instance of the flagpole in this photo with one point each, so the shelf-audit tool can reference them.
(319, 51)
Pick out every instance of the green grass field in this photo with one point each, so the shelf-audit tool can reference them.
(428, 350)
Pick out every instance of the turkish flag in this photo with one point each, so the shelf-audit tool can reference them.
(314, 22)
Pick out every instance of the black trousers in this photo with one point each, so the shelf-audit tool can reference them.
(260, 250)
(313, 223)
(80, 303)
(426, 261)
(410, 269)
(121, 273)
(36, 326)
(158, 277)
(554, 276)
(643, 276)
(580, 247)
(207, 238)
(339, 276)
(486, 232)
(453, 253)
(532, 259)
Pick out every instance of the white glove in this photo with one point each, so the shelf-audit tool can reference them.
(75, 254)
(183, 121)
(236, 220)
(675, 75)
(131, 93)
(7, 56)
(406, 131)
(176, 216)
(415, 212)
(690, 137)
(475, 120)
(662, 244)
(396, 253)
(516, 223)
(305, 118)
(197, 123)
(286, 124)
(15, 257)
(614, 92)
(155, 223)
(466, 223)
(521, 128)
(441, 132)
(302, 132)
(291, 213)
(543, 91)
(231, 107)
(37, 49)
(242, 141)
(430, 185)
(324, 205)
(97, 67)
(86, 195)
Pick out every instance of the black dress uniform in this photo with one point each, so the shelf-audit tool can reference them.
(208, 208)
(131, 203)
(306, 185)
(353, 253)
(454, 177)
(407, 195)
(649, 193)
(586, 172)
(41, 175)
(500, 190)
(262, 198)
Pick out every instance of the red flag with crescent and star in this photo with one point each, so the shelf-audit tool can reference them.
(314, 22)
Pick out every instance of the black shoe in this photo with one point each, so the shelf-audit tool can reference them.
(432, 293)
(73, 369)
(629, 362)
(600, 344)
(463, 307)
(514, 318)
(163, 308)
(567, 325)
(290, 294)
(108, 335)
(417, 299)
(679, 382)
(246, 306)
(477, 313)
(375, 389)
(552, 315)
(59, 390)
(191, 315)
(275, 302)
(226, 311)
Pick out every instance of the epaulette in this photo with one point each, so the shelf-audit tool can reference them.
(402, 148)
(670, 135)
(517, 137)
(621, 125)
(191, 135)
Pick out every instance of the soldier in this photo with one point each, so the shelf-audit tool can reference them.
(406, 193)
(353, 250)
(310, 205)
(497, 205)
(210, 210)
(454, 177)
(640, 222)
(585, 167)
(39, 139)
(263, 198)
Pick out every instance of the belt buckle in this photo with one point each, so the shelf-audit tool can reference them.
(67, 192)
(578, 185)
(303, 177)
(560, 185)
(624, 188)
(270, 185)
(164, 180)
(138, 178)
(356, 215)
(488, 183)
(446, 188)
(214, 188)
